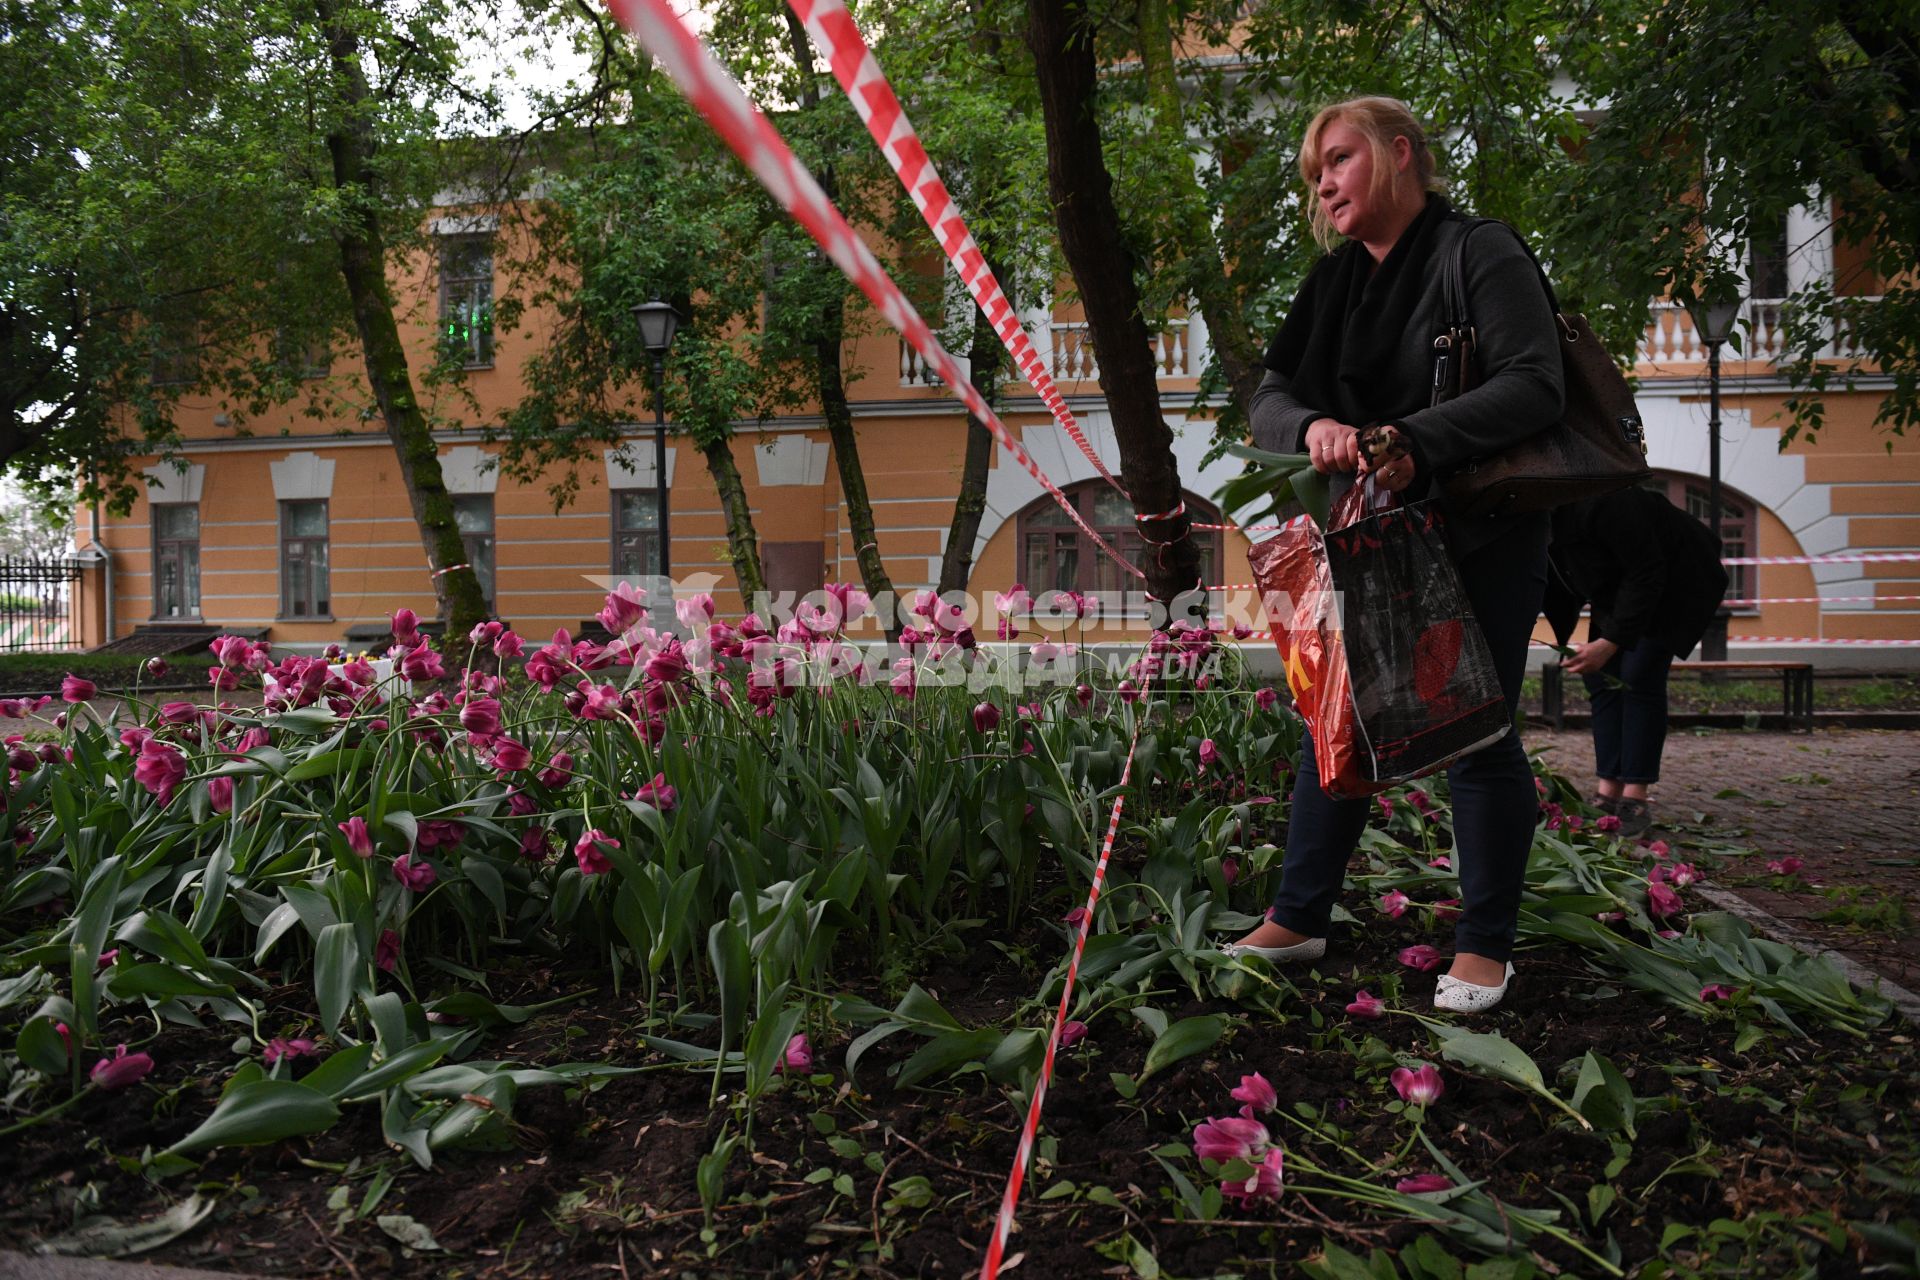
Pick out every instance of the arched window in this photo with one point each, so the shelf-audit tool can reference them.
(1739, 528)
(1056, 556)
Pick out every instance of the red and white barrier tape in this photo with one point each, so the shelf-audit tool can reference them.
(751, 136)
(1865, 557)
(1003, 1225)
(452, 568)
(839, 40)
(1741, 604)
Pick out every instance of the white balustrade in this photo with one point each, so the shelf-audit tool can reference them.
(1174, 354)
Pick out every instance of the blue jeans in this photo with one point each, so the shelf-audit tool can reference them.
(1495, 806)
(1629, 698)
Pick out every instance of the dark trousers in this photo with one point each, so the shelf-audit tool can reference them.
(1629, 698)
(1495, 807)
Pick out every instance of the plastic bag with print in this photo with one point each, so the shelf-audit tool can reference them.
(1383, 655)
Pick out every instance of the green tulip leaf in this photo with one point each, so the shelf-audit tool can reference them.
(260, 1112)
(1182, 1040)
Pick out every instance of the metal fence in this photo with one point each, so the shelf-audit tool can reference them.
(36, 604)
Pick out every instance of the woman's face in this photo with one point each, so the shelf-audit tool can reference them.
(1345, 184)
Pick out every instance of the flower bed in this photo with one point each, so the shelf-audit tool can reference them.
(732, 950)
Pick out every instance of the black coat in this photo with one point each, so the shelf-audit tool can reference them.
(1649, 570)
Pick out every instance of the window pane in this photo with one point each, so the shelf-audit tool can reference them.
(1049, 515)
(1037, 563)
(1066, 564)
(473, 513)
(304, 519)
(1111, 511)
(480, 556)
(177, 520)
(637, 509)
(321, 600)
(634, 556)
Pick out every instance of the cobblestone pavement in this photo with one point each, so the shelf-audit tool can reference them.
(1844, 801)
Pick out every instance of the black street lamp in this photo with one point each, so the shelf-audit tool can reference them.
(659, 322)
(1713, 322)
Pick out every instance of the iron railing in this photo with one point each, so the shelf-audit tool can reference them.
(36, 603)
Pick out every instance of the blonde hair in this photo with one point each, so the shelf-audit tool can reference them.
(1379, 120)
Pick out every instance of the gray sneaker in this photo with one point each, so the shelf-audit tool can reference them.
(1636, 818)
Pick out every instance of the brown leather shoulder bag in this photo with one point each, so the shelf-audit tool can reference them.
(1598, 445)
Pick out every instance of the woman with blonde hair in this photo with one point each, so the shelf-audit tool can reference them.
(1354, 355)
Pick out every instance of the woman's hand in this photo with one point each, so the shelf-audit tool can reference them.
(1333, 446)
(1385, 454)
(1590, 657)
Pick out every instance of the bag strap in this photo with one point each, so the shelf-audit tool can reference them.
(1453, 283)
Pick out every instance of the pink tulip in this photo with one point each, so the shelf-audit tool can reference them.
(1229, 870)
(507, 645)
(417, 876)
(406, 627)
(510, 756)
(1265, 1183)
(1420, 800)
(1607, 823)
(220, 794)
(1083, 694)
(156, 667)
(559, 770)
(481, 717)
(589, 852)
(107, 958)
(1782, 866)
(421, 663)
(74, 689)
(1441, 861)
(1682, 874)
(1072, 1034)
(122, 1069)
(986, 718)
(359, 839)
(1075, 918)
(1715, 991)
(1256, 1093)
(1394, 903)
(1423, 1184)
(1420, 1087)
(1366, 1005)
(624, 609)
(386, 952)
(536, 843)
(1447, 909)
(1663, 901)
(160, 769)
(1209, 754)
(1129, 694)
(1225, 1138)
(279, 1049)
(1423, 958)
(658, 794)
(1386, 808)
(798, 1057)
(1265, 698)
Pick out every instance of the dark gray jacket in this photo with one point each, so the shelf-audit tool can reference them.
(1521, 389)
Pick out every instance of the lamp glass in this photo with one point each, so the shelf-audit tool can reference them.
(659, 322)
(1713, 321)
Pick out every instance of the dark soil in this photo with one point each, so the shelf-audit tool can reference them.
(604, 1181)
(1846, 802)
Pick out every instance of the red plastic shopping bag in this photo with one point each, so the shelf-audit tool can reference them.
(1382, 652)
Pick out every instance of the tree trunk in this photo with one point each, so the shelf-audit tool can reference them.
(1204, 273)
(831, 384)
(1102, 266)
(363, 265)
(743, 545)
(956, 563)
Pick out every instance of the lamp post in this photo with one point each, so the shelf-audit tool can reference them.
(659, 322)
(1713, 322)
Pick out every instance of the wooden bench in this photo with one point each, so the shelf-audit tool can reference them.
(1796, 687)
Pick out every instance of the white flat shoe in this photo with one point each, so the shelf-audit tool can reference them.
(1457, 995)
(1311, 949)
